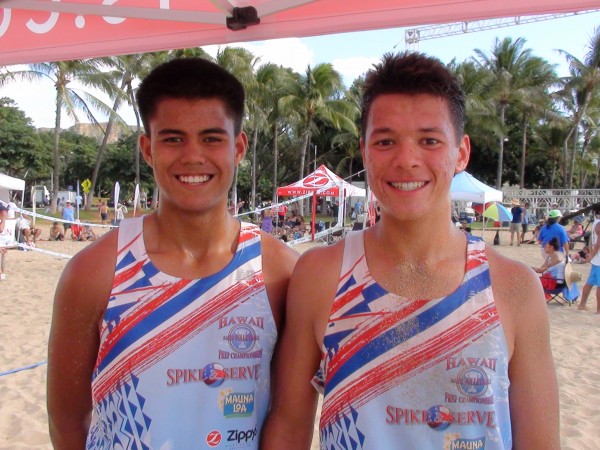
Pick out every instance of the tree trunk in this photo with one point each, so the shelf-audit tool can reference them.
(523, 153)
(501, 150)
(275, 160)
(253, 193)
(575, 132)
(56, 169)
(102, 149)
(302, 160)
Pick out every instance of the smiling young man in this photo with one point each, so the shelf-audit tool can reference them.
(418, 335)
(163, 330)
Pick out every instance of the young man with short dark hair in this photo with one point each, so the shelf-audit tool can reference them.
(163, 329)
(418, 335)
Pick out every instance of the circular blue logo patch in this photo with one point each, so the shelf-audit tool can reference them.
(242, 338)
(472, 381)
(213, 374)
(439, 417)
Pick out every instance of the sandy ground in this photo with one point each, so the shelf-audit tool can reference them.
(27, 295)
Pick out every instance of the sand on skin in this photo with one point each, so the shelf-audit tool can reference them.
(28, 291)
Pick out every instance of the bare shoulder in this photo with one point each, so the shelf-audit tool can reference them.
(314, 284)
(518, 294)
(87, 279)
(278, 261)
(274, 249)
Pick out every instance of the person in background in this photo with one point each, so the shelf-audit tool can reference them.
(6, 239)
(415, 332)
(68, 214)
(103, 213)
(57, 232)
(576, 229)
(29, 231)
(163, 329)
(516, 223)
(525, 223)
(553, 269)
(120, 213)
(553, 229)
(594, 258)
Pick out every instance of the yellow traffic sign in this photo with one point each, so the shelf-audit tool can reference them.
(86, 185)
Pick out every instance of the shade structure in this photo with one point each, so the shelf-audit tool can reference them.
(497, 211)
(323, 182)
(45, 30)
(465, 187)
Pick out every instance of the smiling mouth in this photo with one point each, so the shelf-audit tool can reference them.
(193, 179)
(408, 186)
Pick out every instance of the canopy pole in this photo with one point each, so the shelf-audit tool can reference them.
(314, 215)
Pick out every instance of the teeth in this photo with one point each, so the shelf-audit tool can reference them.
(409, 186)
(193, 178)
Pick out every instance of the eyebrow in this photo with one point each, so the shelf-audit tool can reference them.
(421, 130)
(215, 130)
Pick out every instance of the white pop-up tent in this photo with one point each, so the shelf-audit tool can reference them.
(8, 184)
(465, 187)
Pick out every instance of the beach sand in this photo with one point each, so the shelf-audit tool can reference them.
(26, 299)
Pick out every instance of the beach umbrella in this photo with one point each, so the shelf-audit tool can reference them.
(479, 207)
(497, 211)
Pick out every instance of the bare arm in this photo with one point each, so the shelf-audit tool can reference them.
(278, 264)
(79, 304)
(594, 248)
(533, 391)
(312, 288)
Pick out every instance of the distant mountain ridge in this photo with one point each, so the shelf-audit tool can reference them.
(95, 132)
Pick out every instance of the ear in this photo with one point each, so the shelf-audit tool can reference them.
(146, 148)
(241, 144)
(464, 152)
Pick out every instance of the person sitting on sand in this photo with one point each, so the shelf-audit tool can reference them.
(30, 232)
(88, 233)
(553, 269)
(576, 229)
(77, 232)
(580, 257)
(57, 232)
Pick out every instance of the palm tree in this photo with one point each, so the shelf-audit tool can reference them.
(240, 62)
(318, 95)
(70, 100)
(515, 74)
(583, 83)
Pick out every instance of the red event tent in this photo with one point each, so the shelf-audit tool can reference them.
(324, 183)
(46, 30)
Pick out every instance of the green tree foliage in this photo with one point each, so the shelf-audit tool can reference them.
(22, 151)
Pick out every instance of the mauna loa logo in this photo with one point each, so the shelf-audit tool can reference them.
(238, 404)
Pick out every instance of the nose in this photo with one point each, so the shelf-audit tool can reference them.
(193, 153)
(406, 154)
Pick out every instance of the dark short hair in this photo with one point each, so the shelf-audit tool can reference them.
(191, 78)
(413, 73)
(554, 243)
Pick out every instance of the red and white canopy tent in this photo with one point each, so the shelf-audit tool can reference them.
(323, 183)
(52, 30)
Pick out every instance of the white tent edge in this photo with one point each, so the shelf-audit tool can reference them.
(465, 187)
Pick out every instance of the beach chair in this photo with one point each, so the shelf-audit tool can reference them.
(564, 292)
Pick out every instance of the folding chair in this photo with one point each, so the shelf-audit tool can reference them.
(564, 292)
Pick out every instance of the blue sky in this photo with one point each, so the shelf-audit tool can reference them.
(353, 53)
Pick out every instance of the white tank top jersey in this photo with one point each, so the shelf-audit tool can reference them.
(401, 373)
(183, 364)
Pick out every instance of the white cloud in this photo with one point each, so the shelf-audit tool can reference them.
(289, 52)
(352, 68)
